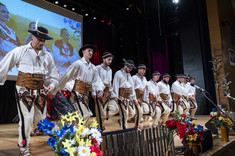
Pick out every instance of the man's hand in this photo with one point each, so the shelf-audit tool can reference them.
(50, 90)
(100, 94)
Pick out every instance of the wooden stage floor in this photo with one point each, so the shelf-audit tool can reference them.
(39, 147)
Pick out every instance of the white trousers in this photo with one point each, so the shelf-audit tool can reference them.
(155, 113)
(31, 106)
(193, 107)
(127, 111)
(106, 110)
(165, 114)
(81, 105)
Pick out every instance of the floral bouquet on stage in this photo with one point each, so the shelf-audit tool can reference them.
(219, 119)
(72, 137)
(185, 128)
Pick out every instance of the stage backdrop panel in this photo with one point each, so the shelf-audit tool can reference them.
(18, 16)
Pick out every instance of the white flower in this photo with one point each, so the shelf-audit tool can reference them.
(95, 133)
(85, 132)
(187, 114)
(73, 142)
(214, 114)
(84, 151)
(211, 113)
(99, 140)
(220, 118)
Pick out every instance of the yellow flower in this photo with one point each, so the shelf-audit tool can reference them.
(88, 142)
(94, 124)
(66, 143)
(70, 150)
(81, 142)
(93, 154)
(194, 123)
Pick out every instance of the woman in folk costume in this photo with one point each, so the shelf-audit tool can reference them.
(8, 38)
(59, 105)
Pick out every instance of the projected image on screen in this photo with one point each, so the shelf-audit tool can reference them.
(16, 17)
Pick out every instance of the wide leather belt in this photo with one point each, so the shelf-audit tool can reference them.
(30, 81)
(82, 87)
(152, 98)
(139, 93)
(125, 92)
(163, 96)
(106, 89)
(176, 96)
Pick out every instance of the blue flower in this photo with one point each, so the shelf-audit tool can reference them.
(63, 152)
(188, 121)
(60, 133)
(196, 129)
(40, 126)
(200, 128)
(49, 125)
(51, 142)
(65, 20)
(214, 109)
(70, 21)
(78, 25)
(66, 127)
(69, 127)
(48, 132)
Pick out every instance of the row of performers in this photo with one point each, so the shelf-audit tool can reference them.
(132, 97)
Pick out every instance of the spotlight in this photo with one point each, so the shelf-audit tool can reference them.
(102, 21)
(86, 14)
(56, 2)
(175, 1)
(109, 23)
(65, 5)
(73, 9)
(94, 18)
(127, 9)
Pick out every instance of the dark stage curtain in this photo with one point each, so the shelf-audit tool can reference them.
(8, 108)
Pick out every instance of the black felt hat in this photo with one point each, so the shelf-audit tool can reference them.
(166, 75)
(41, 33)
(86, 47)
(142, 66)
(129, 63)
(156, 73)
(107, 54)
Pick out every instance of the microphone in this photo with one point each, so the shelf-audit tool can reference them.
(197, 87)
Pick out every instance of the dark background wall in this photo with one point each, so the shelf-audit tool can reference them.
(166, 37)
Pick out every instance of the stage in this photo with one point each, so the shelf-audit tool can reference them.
(39, 147)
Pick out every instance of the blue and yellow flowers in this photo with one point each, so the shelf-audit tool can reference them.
(72, 137)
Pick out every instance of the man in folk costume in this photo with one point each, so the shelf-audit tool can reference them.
(86, 80)
(37, 77)
(107, 106)
(165, 94)
(153, 109)
(124, 93)
(192, 98)
(140, 84)
(178, 91)
(186, 95)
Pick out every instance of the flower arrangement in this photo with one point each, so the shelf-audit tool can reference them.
(184, 128)
(219, 119)
(72, 137)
